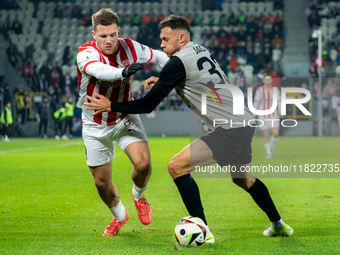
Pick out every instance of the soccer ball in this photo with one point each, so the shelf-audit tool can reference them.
(191, 231)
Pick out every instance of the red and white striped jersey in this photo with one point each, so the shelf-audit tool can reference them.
(263, 100)
(118, 90)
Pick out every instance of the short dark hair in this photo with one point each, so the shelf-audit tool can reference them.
(104, 17)
(175, 22)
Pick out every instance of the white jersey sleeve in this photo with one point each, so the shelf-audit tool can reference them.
(89, 63)
(146, 54)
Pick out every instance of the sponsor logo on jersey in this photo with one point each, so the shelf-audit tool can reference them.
(113, 84)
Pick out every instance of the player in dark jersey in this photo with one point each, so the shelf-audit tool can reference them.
(189, 67)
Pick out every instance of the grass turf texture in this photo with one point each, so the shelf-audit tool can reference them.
(49, 204)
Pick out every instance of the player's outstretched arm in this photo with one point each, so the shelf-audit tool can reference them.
(150, 82)
(144, 105)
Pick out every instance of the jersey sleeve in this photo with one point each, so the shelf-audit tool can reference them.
(172, 73)
(146, 54)
(85, 58)
(89, 63)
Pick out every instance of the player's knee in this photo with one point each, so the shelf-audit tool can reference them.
(101, 184)
(174, 169)
(142, 165)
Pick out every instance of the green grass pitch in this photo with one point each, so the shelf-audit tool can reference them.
(49, 205)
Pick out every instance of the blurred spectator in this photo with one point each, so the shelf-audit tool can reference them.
(276, 41)
(85, 19)
(223, 39)
(269, 68)
(314, 18)
(66, 56)
(329, 88)
(205, 41)
(240, 80)
(240, 50)
(232, 61)
(276, 31)
(59, 117)
(278, 5)
(69, 118)
(278, 21)
(233, 20)
(213, 41)
(25, 69)
(44, 115)
(313, 70)
(251, 58)
(316, 60)
(66, 12)
(13, 55)
(43, 83)
(260, 60)
(276, 79)
(6, 27)
(224, 20)
(57, 67)
(16, 26)
(241, 36)
(241, 18)
(44, 69)
(136, 19)
(7, 93)
(55, 76)
(20, 102)
(6, 119)
(197, 19)
(260, 75)
(76, 12)
(33, 81)
(58, 12)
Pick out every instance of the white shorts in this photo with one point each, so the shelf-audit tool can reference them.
(268, 123)
(100, 140)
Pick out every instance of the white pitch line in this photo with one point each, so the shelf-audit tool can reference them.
(40, 148)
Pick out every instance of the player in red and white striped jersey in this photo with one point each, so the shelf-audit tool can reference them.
(263, 101)
(105, 66)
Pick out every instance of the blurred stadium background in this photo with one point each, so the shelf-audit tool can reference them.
(248, 39)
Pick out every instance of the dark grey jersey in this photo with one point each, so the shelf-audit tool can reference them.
(202, 85)
(206, 89)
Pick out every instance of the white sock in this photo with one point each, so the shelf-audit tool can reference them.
(267, 146)
(272, 142)
(138, 192)
(118, 211)
(277, 225)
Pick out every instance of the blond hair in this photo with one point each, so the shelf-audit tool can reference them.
(104, 17)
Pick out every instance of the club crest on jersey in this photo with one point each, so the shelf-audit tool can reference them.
(113, 84)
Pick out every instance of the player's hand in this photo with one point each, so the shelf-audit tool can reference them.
(101, 104)
(150, 82)
(132, 69)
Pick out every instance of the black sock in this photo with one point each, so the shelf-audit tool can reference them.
(190, 193)
(261, 196)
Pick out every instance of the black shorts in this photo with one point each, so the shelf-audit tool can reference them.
(230, 146)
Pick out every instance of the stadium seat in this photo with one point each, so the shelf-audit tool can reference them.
(333, 54)
(332, 22)
(241, 61)
(269, 6)
(248, 68)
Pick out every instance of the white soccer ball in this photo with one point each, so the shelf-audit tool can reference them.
(191, 231)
